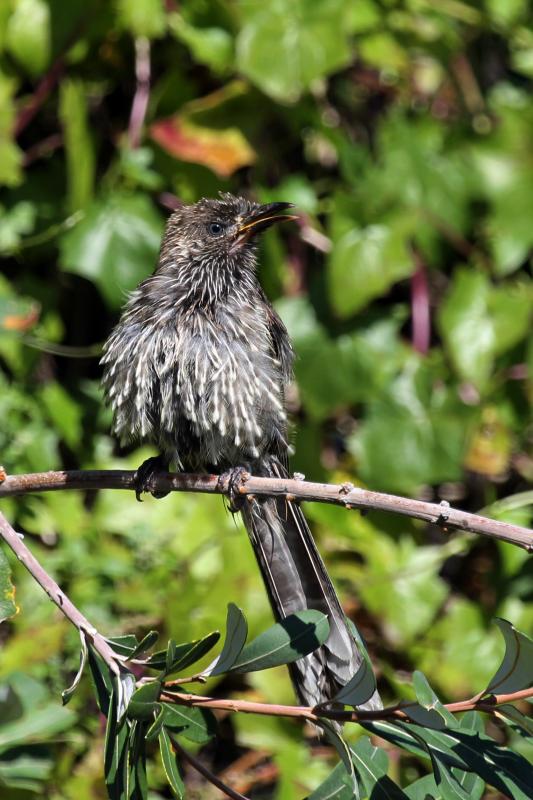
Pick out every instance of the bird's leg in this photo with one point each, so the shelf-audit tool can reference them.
(144, 474)
(229, 482)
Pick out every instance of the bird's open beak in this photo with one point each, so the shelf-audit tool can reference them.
(263, 218)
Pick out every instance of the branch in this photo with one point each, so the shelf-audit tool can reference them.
(142, 91)
(484, 702)
(14, 541)
(292, 489)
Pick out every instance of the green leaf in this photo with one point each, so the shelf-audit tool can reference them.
(15, 222)
(78, 144)
(371, 764)
(184, 654)
(518, 720)
(285, 642)
(284, 47)
(435, 715)
(116, 753)
(335, 787)
(423, 789)
(142, 18)
(36, 725)
(510, 309)
(145, 644)
(10, 153)
(28, 35)
(210, 46)
(359, 688)
(102, 681)
(515, 671)
(66, 694)
(145, 701)
(196, 723)
(344, 752)
(8, 607)
(137, 784)
(466, 326)
(115, 245)
(366, 262)
(236, 633)
(171, 766)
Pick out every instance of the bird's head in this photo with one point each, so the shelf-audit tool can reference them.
(221, 232)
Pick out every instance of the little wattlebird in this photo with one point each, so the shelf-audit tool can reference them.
(198, 365)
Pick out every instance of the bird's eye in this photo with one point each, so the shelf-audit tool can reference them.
(215, 228)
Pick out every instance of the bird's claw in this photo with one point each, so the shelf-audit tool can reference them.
(145, 473)
(230, 482)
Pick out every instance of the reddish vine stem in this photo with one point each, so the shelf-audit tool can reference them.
(293, 489)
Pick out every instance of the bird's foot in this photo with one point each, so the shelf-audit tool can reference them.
(230, 482)
(146, 472)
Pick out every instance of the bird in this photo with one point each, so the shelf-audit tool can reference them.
(199, 365)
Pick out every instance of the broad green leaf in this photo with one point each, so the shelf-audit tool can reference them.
(371, 764)
(28, 35)
(285, 642)
(38, 724)
(196, 723)
(284, 47)
(510, 235)
(335, 787)
(115, 245)
(510, 307)
(515, 671)
(171, 766)
(236, 633)
(366, 262)
(8, 607)
(78, 145)
(466, 326)
(142, 18)
(423, 789)
(145, 701)
(184, 654)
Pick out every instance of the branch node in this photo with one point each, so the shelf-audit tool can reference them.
(444, 514)
(298, 476)
(346, 488)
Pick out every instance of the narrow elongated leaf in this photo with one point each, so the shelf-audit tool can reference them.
(236, 633)
(115, 753)
(285, 642)
(66, 694)
(515, 671)
(371, 764)
(137, 784)
(359, 688)
(125, 685)
(155, 728)
(344, 752)
(123, 645)
(335, 787)
(196, 724)
(170, 765)
(512, 715)
(8, 607)
(144, 702)
(102, 680)
(185, 654)
(146, 644)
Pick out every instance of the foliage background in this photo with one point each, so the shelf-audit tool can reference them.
(403, 131)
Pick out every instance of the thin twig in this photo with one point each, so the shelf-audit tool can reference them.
(203, 770)
(345, 495)
(142, 91)
(482, 702)
(14, 541)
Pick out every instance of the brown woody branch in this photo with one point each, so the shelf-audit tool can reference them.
(293, 489)
(487, 703)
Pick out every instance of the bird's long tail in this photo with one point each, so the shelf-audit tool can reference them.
(296, 579)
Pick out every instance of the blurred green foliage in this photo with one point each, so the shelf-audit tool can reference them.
(404, 133)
